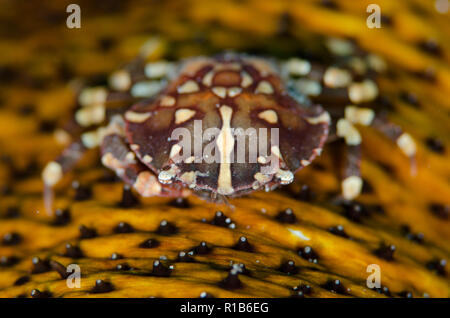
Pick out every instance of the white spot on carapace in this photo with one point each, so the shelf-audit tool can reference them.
(225, 144)
(147, 185)
(167, 101)
(362, 116)
(305, 162)
(188, 87)
(264, 87)
(351, 187)
(207, 79)
(183, 114)
(120, 80)
(323, 118)
(246, 79)
(406, 144)
(135, 117)
(234, 91)
(336, 77)
(52, 173)
(269, 116)
(220, 91)
(346, 130)
(299, 234)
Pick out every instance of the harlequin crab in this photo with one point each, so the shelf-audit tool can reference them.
(134, 119)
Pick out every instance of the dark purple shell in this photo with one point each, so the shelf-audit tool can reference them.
(225, 93)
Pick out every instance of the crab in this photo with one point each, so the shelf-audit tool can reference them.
(301, 103)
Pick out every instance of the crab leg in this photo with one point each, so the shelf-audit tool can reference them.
(135, 81)
(351, 184)
(345, 128)
(351, 174)
(367, 117)
(55, 170)
(334, 85)
(402, 139)
(126, 86)
(337, 87)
